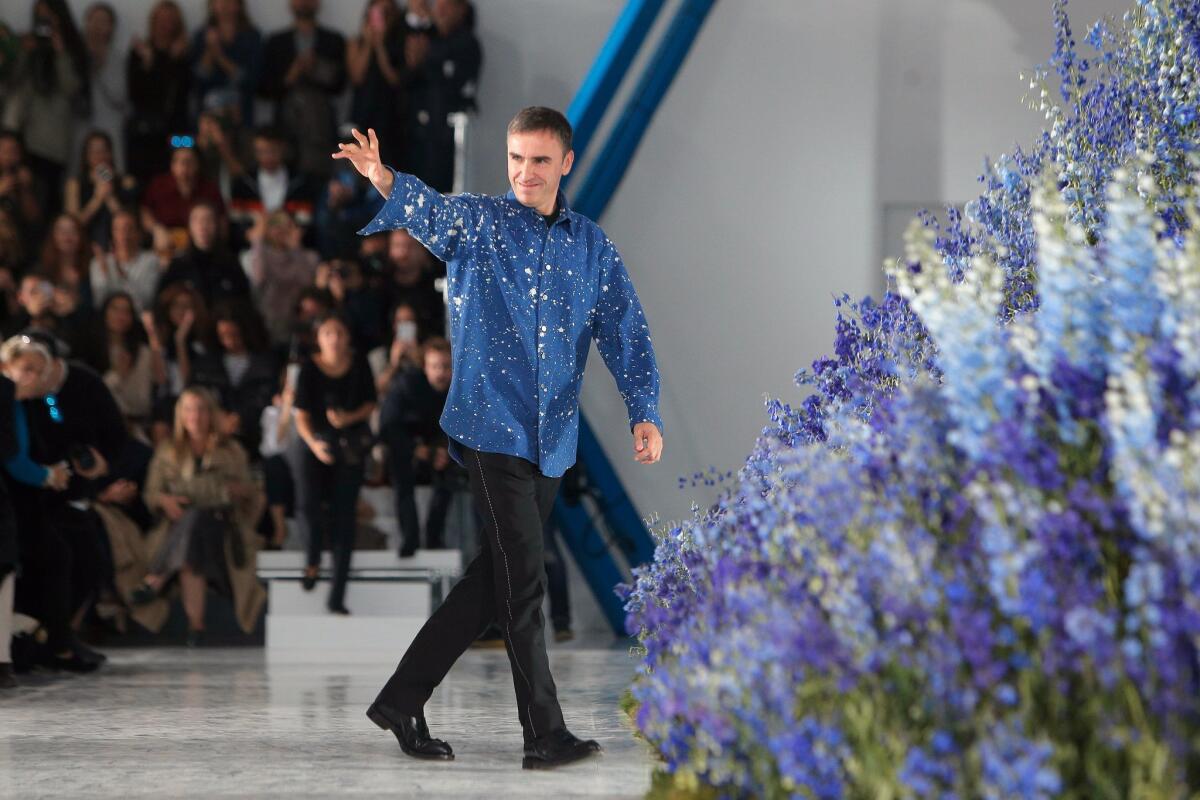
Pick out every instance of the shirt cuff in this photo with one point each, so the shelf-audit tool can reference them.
(391, 216)
(645, 413)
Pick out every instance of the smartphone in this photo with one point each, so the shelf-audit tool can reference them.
(103, 173)
(406, 330)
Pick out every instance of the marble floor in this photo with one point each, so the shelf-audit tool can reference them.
(168, 722)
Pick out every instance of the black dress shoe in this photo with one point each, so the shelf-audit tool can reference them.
(87, 654)
(411, 732)
(71, 663)
(341, 611)
(557, 748)
(195, 637)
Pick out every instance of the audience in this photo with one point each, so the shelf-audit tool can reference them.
(335, 396)
(158, 76)
(206, 264)
(227, 58)
(126, 266)
(280, 269)
(206, 505)
(418, 448)
(98, 191)
(169, 199)
(304, 71)
(50, 83)
(131, 368)
(190, 306)
(108, 103)
(270, 186)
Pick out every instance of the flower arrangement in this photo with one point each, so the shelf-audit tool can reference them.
(968, 564)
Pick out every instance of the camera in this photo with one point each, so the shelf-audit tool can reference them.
(82, 456)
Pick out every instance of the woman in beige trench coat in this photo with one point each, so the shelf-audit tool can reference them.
(200, 488)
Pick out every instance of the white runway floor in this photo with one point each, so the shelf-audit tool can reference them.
(168, 723)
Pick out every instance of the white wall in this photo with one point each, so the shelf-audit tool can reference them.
(759, 190)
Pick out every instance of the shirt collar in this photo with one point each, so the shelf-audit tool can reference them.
(564, 210)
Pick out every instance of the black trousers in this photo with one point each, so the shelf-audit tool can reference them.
(329, 505)
(404, 482)
(504, 584)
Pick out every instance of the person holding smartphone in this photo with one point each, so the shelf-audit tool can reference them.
(531, 284)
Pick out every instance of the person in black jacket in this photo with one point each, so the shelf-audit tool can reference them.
(304, 71)
(410, 424)
(445, 74)
(243, 373)
(207, 265)
(76, 420)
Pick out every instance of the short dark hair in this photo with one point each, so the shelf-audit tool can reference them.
(540, 118)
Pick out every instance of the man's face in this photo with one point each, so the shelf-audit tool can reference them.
(268, 153)
(536, 165)
(202, 225)
(185, 165)
(437, 370)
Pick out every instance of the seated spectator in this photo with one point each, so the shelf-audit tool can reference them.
(44, 588)
(108, 102)
(348, 203)
(445, 75)
(99, 191)
(181, 332)
(241, 371)
(75, 419)
(409, 272)
(280, 269)
(126, 267)
(270, 186)
(206, 504)
(223, 147)
(279, 438)
(130, 367)
(158, 73)
(375, 64)
(304, 71)
(21, 194)
(363, 309)
(403, 352)
(314, 304)
(409, 424)
(169, 199)
(227, 57)
(51, 81)
(207, 265)
(66, 259)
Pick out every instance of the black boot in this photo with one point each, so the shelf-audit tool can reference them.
(557, 748)
(411, 732)
(7, 680)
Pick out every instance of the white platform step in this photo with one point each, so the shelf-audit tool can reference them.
(389, 599)
(325, 637)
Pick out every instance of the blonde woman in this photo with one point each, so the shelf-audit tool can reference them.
(200, 488)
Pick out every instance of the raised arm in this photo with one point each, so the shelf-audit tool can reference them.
(623, 338)
(444, 224)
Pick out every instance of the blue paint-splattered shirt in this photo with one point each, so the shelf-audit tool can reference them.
(525, 302)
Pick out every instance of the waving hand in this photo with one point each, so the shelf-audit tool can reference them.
(365, 157)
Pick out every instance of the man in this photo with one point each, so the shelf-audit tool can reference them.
(206, 265)
(417, 446)
(531, 283)
(304, 71)
(410, 276)
(270, 186)
(444, 74)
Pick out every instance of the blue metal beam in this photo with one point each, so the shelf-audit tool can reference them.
(609, 68)
(610, 165)
(592, 552)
